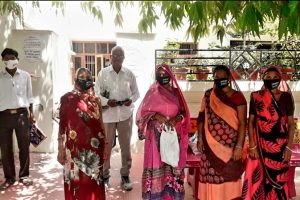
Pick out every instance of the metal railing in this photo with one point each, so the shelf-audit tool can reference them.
(245, 64)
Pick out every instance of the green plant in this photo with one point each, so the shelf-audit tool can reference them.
(191, 77)
(168, 55)
(171, 44)
(286, 58)
(210, 77)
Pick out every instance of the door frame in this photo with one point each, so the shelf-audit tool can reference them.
(96, 65)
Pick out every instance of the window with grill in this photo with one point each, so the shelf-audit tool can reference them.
(111, 45)
(90, 64)
(102, 48)
(77, 47)
(89, 47)
(77, 62)
(91, 54)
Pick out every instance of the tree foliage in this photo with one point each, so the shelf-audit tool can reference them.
(11, 7)
(245, 16)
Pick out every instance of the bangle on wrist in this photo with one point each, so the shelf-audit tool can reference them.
(252, 148)
(238, 147)
(287, 147)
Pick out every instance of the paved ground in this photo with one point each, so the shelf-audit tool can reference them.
(48, 185)
(47, 176)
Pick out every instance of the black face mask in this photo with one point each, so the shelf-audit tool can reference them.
(272, 83)
(163, 80)
(221, 83)
(85, 84)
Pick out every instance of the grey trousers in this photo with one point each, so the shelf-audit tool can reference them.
(20, 123)
(124, 129)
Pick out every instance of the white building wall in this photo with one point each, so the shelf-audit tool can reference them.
(7, 24)
(50, 78)
(194, 91)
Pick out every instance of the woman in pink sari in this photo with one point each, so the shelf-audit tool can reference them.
(163, 104)
(271, 131)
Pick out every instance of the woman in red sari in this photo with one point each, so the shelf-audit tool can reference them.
(271, 130)
(163, 104)
(221, 135)
(81, 141)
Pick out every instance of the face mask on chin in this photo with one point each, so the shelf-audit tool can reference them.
(221, 83)
(272, 83)
(11, 64)
(164, 80)
(85, 84)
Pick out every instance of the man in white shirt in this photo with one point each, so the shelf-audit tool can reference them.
(117, 88)
(15, 99)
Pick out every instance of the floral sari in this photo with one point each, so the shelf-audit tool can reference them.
(161, 181)
(220, 176)
(81, 123)
(267, 177)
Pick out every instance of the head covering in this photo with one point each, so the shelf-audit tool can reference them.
(80, 70)
(283, 86)
(267, 95)
(221, 95)
(151, 104)
(225, 68)
(175, 85)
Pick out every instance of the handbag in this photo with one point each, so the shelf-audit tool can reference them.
(36, 135)
(169, 146)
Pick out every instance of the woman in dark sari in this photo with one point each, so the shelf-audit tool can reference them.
(221, 134)
(81, 141)
(271, 130)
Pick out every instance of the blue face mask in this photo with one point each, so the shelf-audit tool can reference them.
(85, 84)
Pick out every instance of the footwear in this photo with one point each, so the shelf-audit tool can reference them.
(26, 181)
(126, 183)
(7, 184)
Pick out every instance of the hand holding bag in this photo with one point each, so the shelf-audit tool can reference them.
(169, 146)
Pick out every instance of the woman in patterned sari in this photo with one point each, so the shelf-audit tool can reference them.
(271, 131)
(163, 104)
(221, 135)
(81, 141)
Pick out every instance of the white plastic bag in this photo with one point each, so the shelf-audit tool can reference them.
(169, 146)
(193, 144)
